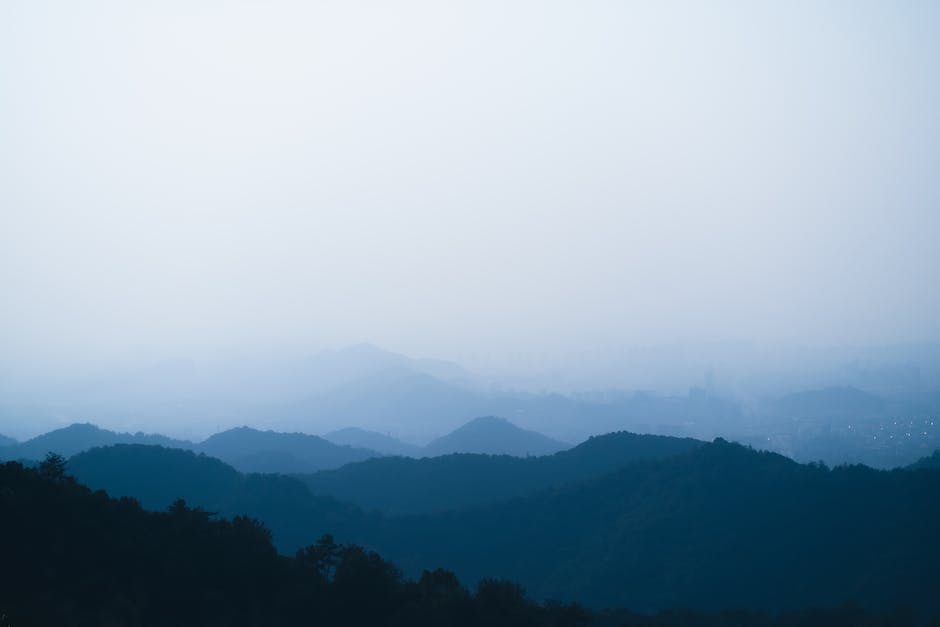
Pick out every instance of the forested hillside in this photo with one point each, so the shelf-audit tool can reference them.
(716, 526)
(721, 525)
(157, 476)
(251, 450)
(397, 485)
(932, 461)
(73, 557)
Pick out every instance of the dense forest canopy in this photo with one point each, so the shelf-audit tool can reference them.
(407, 486)
(686, 524)
(76, 557)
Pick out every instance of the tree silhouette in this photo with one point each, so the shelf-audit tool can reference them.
(53, 466)
(75, 557)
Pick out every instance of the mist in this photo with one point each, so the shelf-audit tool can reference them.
(469, 313)
(557, 198)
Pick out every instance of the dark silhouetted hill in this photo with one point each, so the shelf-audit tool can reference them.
(251, 450)
(157, 476)
(932, 462)
(380, 442)
(80, 437)
(494, 436)
(74, 557)
(720, 525)
(398, 485)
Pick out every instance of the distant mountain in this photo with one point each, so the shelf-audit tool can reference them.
(361, 385)
(5, 441)
(364, 359)
(832, 401)
(157, 476)
(80, 437)
(237, 389)
(395, 485)
(361, 438)
(494, 436)
(719, 525)
(397, 399)
(251, 450)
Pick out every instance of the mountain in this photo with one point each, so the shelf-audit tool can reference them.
(371, 388)
(74, 557)
(122, 565)
(76, 438)
(494, 436)
(247, 449)
(361, 360)
(395, 485)
(5, 441)
(716, 526)
(932, 461)
(251, 450)
(233, 389)
(400, 400)
(361, 438)
(720, 525)
(157, 476)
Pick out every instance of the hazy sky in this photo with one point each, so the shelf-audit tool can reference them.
(462, 178)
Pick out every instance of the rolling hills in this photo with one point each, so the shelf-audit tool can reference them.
(396, 485)
(698, 525)
(157, 476)
(79, 437)
(379, 442)
(251, 450)
(721, 524)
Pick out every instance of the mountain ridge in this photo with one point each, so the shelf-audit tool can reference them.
(253, 450)
(396, 485)
(380, 442)
(493, 436)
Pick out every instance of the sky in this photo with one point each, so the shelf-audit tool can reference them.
(469, 180)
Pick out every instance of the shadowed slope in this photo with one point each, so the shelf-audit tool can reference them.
(80, 437)
(719, 525)
(362, 438)
(932, 462)
(157, 476)
(398, 485)
(251, 450)
(494, 436)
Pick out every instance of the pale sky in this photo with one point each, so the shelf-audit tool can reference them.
(452, 179)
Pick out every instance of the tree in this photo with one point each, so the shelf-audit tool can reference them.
(324, 556)
(53, 467)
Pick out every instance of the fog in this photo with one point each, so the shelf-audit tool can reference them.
(531, 189)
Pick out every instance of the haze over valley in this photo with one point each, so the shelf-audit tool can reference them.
(469, 313)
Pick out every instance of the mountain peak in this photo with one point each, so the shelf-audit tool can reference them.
(251, 450)
(494, 436)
